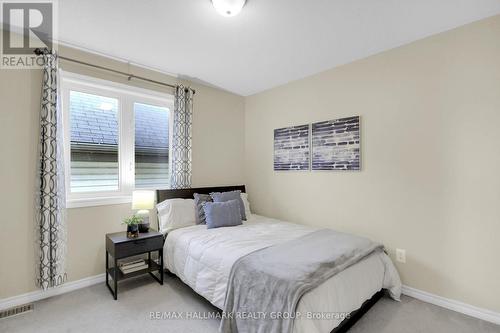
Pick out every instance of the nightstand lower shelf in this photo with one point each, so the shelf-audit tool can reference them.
(152, 267)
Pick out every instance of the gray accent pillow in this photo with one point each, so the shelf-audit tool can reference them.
(222, 214)
(232, 195)
(199, 200)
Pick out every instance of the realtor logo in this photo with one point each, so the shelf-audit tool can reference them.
(26, 26)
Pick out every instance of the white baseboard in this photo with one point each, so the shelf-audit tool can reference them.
(41, 294)
(424, 296)
(457, 306)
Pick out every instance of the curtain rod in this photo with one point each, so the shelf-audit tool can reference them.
(128, 75)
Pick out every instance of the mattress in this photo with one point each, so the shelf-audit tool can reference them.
(202, 258)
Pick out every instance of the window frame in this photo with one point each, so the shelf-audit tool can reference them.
(126, 96)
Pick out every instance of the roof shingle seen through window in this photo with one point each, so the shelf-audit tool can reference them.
(151, 126)
(92, 123)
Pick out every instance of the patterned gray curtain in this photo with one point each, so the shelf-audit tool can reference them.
(180, 173)
(50, 198)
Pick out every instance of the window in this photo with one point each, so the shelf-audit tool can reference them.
(151, 146)
(94, 142)
(116, 140)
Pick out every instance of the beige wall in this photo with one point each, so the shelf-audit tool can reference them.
(430, 180)
(217, 159)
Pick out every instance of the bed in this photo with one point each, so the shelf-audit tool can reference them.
(203, 259)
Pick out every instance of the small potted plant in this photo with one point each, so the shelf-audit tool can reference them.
(132, 226)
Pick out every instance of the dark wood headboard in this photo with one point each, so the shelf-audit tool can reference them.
(187, 193)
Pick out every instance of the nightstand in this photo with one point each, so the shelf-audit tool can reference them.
(118, 246)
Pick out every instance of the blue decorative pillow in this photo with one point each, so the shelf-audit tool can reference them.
(232, 195)
(222, 214)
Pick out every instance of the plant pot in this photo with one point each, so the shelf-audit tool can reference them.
(133, 231)
(144, 227)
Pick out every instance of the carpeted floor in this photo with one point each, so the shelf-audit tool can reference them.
(94, 310)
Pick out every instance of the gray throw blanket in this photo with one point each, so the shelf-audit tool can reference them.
(272, 280)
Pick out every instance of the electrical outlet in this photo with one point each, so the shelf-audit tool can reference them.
(401, 255)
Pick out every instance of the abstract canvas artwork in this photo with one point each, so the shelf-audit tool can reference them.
(336, 144)
(291, 148)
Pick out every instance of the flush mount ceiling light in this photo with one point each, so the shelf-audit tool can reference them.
(228, 7)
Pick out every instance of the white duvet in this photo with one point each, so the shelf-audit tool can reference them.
(202, 258)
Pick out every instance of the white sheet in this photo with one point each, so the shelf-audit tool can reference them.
(202, 258)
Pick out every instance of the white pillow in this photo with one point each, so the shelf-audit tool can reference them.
(176, 213)
(244, 197)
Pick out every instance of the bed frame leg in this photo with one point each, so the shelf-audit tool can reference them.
(354, 316)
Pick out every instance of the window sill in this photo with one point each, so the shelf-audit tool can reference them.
(92, 202)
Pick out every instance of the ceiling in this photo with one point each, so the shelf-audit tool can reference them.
(271, 42)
